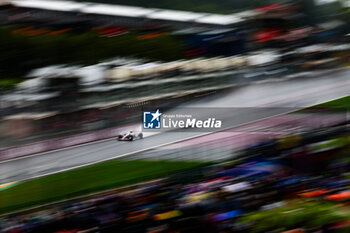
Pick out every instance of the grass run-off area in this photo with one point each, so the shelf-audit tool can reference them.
(337, 105)
(90, 179)
(342, 103)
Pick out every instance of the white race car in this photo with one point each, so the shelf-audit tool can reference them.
(130, 136)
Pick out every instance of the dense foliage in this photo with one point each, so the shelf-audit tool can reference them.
(21, 53)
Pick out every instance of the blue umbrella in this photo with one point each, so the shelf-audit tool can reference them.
(288, 182)
(227, 215)
(339, 183)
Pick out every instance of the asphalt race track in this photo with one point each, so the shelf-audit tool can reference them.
(265, 99)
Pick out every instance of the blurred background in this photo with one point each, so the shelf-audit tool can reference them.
(75, 74)
(68, 67)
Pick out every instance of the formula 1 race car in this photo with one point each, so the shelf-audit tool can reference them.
(130, 136)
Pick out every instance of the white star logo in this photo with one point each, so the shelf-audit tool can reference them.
(156, 115)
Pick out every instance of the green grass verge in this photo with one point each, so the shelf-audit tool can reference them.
(9, 82)
(90, 179)
(337, 142)
(338, 103)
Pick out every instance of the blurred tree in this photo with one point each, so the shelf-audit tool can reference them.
(20, 54)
